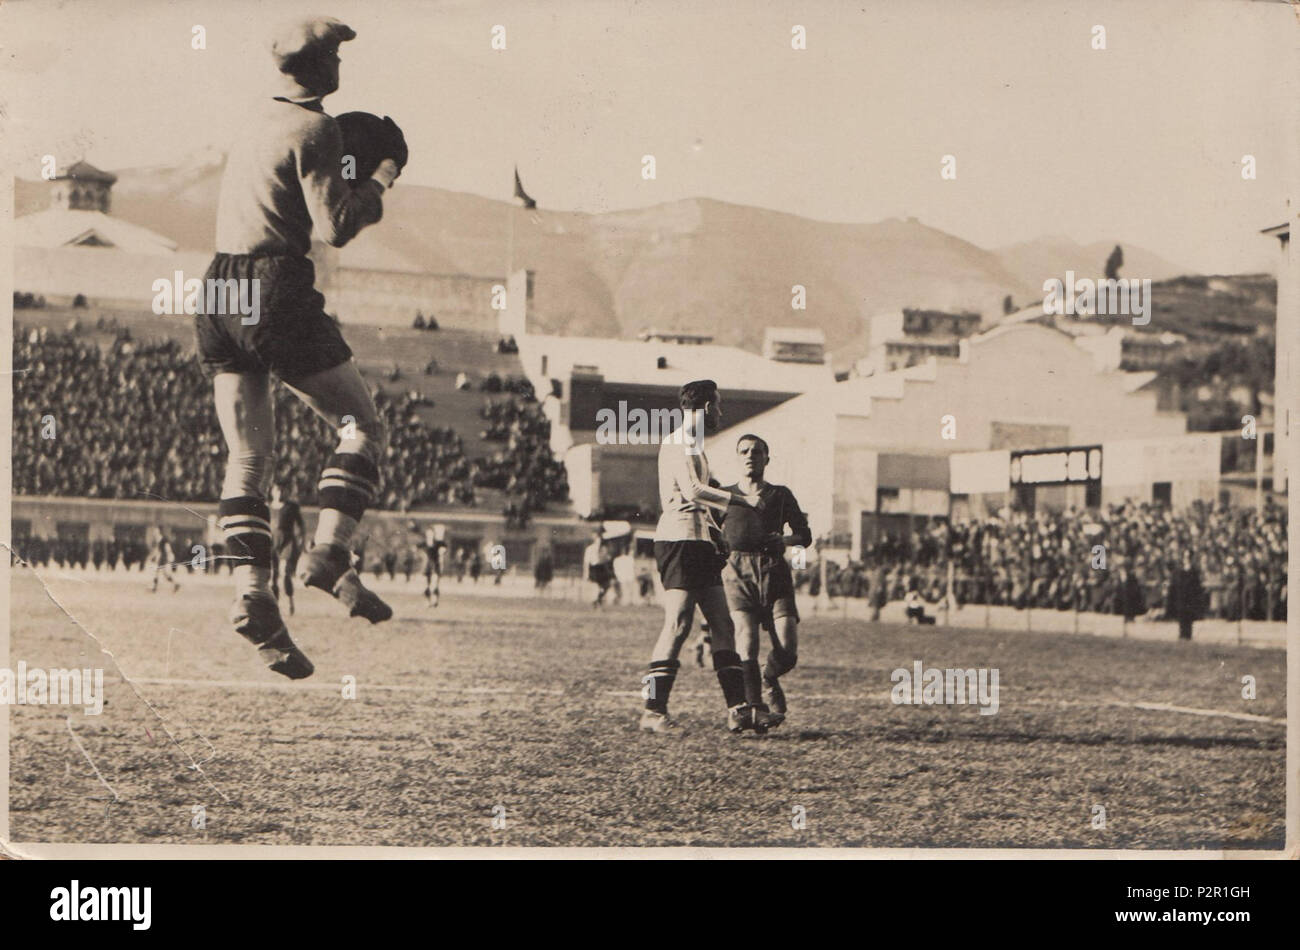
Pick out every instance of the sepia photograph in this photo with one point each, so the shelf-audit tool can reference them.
(636, 428)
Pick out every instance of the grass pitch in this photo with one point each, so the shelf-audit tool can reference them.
(524, 710)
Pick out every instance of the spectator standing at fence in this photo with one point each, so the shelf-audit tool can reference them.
(1186, 598)
(1131, 599)
(877, 592)
(543, 571)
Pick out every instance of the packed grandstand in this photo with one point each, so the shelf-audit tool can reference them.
(1046, 560)
(132, 418)
(135, 420)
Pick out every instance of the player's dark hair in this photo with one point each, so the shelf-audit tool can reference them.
(697, 394)
(750, 437)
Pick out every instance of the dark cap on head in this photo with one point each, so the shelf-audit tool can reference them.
(294, 40)
(697, 394)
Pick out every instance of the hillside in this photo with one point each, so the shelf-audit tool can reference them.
(1227, 366)
(1034, 262)
(1208, 308)
(695, 263)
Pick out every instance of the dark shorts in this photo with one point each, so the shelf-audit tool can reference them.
(759, 583)
(293, 337)
(600, 574)
(688, 565)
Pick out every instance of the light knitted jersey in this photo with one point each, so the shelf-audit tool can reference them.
(284, 178)
(689, 504)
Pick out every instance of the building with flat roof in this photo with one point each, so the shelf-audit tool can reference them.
(910, 336)
(583, 381)
(874, 452)
(795, 344)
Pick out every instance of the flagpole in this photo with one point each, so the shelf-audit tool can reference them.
(510, 240)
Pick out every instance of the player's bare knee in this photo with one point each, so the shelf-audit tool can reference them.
(368, 438)
(248, 473)
(723, 636)
(680, 627)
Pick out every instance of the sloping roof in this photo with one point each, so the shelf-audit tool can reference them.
(854, 396)
(84, 171)
(61, 227)
(988, 336)
(1132, 382)
(1023, 315)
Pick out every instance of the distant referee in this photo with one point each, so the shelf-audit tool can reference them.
(689, 553)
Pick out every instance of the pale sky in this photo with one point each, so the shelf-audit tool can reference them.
(1141, 142)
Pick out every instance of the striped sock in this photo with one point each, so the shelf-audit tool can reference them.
(245, 523)
(659, 683)
(349, 483)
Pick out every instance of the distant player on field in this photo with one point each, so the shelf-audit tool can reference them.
(689, 555)
(287, 538)
(284, 180)
(164, 562)
(757, 578)
(432, 547)
(600, 566)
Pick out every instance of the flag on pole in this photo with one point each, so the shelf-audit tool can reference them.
(529, 204)
(522, 195)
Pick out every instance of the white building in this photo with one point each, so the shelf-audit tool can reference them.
(874, 451)
(74, 246)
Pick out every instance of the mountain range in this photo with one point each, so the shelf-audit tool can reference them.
(697, 263)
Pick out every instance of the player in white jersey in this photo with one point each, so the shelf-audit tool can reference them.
(690, 552)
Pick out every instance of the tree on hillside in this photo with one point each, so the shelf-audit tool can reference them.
(1114, 263)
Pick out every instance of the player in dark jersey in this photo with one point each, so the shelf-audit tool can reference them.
(287, 533)
(432, 547)
(757, 578)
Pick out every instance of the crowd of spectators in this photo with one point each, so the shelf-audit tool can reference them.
(524, 468)
(1120, 559)
(25, 301)
(135, 420)
(517, 385)
(116, 554)
(67, 552)
(425, 464)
